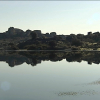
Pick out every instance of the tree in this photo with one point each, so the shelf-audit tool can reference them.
(33, 35)
(52, 44)
(76, 42)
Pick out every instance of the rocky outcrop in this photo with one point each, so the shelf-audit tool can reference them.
(28, 32)
(52, 34)
(15, 31)
(39, 34)
(89, 33)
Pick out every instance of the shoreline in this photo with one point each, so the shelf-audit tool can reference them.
(81, 49)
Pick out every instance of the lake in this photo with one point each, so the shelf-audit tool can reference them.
(48, 80)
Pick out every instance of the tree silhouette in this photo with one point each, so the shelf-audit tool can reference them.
(52, 44)
(76, 42)
(33, 35)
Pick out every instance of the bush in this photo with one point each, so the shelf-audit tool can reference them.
(52, 44)
(76, 42)
(14, 47)
(32, 47)
(75, 48)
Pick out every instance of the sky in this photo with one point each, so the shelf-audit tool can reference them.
(62, 17)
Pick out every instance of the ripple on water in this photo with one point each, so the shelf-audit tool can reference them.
(73, 93)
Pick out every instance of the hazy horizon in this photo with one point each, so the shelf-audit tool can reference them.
(62, 17)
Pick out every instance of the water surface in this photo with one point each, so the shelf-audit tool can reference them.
(60, 80)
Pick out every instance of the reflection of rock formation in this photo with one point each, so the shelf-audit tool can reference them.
(74, 57)
(34, 58)
(16, 59)
(90, 57)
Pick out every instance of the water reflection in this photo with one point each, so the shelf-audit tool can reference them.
(73, 93)
(14, 58)
(48, 80)
(94, 83)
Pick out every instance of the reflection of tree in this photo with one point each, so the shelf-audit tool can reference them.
(34, 61)
(34, 58)
(11, 63)
(52, 56)
(89, 62)
(74, 57)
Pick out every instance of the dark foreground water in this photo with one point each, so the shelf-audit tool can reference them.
(59, 80)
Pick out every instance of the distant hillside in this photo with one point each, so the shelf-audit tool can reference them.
(15, 32)
(35, 39)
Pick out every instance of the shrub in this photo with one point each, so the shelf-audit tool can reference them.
(76, 42)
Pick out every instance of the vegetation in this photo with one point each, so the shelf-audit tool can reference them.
(14, 58)
(35, 40)
(16, 39)
(52, 44)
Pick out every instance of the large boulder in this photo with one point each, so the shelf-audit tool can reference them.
(28, 32)
(47, 34)
(89, 33)
(11, 31)
(15, 31)
(52, 34)
(39, 34)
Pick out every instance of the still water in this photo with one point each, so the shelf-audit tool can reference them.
(59, 80)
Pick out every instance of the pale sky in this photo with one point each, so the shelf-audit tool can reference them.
(62, 17)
